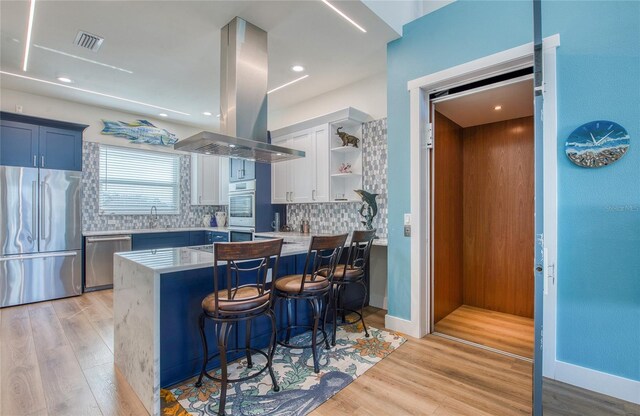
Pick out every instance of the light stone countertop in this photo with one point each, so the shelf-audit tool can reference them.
(169, 260)
(305, 239)
(152, 230)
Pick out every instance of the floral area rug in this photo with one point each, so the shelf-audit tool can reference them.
(301, 390)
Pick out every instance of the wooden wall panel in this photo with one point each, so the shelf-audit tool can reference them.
(447, 213)
(498, 209)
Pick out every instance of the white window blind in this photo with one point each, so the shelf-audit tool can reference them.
(132, 181)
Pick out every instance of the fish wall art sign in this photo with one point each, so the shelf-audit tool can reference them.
(139, 131)
(597, 143)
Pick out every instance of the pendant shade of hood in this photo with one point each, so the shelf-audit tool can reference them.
(243, 100)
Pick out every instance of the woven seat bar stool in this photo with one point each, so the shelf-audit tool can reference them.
(313, 286)
(349, 273)
(232, 303)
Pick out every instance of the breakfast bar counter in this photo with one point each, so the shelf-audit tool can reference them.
(157, 297)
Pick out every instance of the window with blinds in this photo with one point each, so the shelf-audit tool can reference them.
(132, 181)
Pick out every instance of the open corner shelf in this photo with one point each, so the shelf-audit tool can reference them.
(346, 175)
(346, 149)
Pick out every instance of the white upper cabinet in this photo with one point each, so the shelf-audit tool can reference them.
(305, 179)
(209, 180)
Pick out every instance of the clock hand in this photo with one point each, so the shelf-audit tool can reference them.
(600, 141)
(593, 138)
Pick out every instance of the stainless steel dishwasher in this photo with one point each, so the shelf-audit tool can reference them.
(99, 259)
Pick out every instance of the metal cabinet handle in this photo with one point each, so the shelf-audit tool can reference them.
(102, 239)
(313, 194)
(199, 199)
(35, 161)
(42, 161)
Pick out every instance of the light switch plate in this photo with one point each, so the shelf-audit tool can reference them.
(407, 219)
(407, 231)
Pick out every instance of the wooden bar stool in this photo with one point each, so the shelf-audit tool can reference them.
(351, 272)
(232, 302)
(313, 286)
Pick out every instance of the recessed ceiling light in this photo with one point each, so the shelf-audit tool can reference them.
(115, 97)
(32, 9)
(497, 108)
(65, 80)
(163, 115)
(278, 154)
(347, 18)
(232, 146)
(297, 68)
(288, 83)
(218, 116)
(206, 113)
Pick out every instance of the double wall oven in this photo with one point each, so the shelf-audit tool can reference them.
(242, 210)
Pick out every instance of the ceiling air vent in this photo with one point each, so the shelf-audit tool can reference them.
(88, 41)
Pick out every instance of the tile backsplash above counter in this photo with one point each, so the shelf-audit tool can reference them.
(92, 220)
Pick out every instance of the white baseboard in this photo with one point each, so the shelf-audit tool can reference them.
(399, 325)
(586, 378)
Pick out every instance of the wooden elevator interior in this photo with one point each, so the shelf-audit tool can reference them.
(483, 225)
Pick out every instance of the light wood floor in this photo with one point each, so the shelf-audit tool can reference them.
(502, 331)
(56, 358)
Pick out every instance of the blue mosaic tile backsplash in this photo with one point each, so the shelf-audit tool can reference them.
(337, 217)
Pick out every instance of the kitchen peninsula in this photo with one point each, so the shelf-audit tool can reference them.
(156, 303)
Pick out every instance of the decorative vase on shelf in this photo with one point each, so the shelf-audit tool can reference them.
(206, 220)
(221, 218)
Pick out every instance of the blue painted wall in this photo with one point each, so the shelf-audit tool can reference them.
(599, 210)
(455, 34)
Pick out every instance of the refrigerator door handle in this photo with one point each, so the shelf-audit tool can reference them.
(34, 211)
(43, 213)
(39, 255)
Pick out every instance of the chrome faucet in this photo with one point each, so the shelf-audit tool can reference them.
(153, 220)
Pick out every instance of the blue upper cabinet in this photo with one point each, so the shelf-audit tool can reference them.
(241, 170)
(60, 149)
(36, 142)
(18, 144)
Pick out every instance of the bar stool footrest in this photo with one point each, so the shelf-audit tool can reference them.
(321, 334)
(235, 350)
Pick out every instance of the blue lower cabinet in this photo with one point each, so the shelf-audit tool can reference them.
(150, 241)
(216, 237)
(197, 238)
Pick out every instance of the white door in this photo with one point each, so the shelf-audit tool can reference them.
(320, 144)
(209, 177)
(303, 172)
(279, 175)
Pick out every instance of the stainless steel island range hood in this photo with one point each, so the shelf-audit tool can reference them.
(243, 100)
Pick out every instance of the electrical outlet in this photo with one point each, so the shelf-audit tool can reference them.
(18, 108)
(407, 231)
(407, 219)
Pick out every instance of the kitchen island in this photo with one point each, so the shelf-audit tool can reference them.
(157, 298)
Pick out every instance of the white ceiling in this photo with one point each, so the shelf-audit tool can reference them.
(173, 49)
(477, 108)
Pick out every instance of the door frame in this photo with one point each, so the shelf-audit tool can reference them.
(421, 177)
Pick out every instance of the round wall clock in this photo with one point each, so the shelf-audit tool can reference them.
(597, 143)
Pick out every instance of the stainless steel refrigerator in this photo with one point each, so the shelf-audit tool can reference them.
(40, 234)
